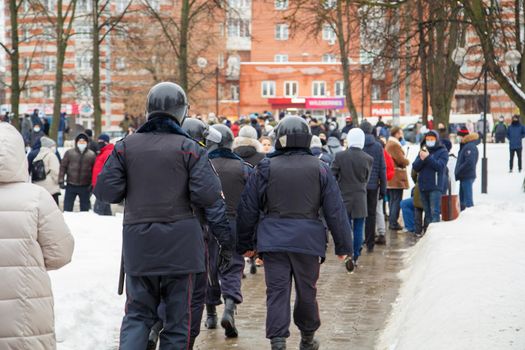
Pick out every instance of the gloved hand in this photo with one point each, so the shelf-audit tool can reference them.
(62, 185)
(225, 259)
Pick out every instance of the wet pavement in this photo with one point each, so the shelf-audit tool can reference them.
(353, 307)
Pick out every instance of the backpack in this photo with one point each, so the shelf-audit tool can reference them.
(38, 171)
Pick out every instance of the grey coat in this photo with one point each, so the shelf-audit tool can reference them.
(352, 169)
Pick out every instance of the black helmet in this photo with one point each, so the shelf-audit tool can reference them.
(196, 129)
(167, 100)
(292, 132)
(225, 141)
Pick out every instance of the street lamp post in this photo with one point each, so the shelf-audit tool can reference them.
(202, 63)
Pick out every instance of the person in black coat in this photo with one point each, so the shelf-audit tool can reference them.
(247, 146)
(376, 187)
(465, 171)
(289, 188)
(163, 245)
(352, 170)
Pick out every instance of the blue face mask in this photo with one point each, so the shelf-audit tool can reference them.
(430, 144)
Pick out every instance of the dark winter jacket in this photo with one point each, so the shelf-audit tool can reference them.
(34, 152)
(378, 173)
(515, 134)
(162, 173)
(347, 128)
(432, 171)
(297, 179)
(35, 137)
(76, 167)
(322, 154)
(352, 170)
(500, 130)
(249, 150)
(467, 158)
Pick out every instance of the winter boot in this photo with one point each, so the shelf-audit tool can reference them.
(154, 335)
(278, 343)
(253, 267)
(211, 319)
(228, 319)
(380, 240)
(308, 342)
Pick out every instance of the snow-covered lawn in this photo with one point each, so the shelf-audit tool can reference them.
(464, 286)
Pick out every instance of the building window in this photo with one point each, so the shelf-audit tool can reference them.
(239, 4)
(50, 63)
(83, 6)
(376, 92)
(328, 57)
(27, 6)
(48, 32)
(339, 88)
(281, 58)
(49, 91)
(238, 28)
(291, 89)
(84, 91)
(120, 64)
(329, 4)
(26, 34)
(50, 5)
(27, 63)
(470, 104)
(122, 5)
(234, 90)
(26, 93)
(281, 31)
(268, 88)
(83, 32)
(328, 33)
(154, 5)
(84, 62)
(281, 4)
(319, 88)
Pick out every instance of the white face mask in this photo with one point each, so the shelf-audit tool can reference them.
(82, 147)
(36, 129)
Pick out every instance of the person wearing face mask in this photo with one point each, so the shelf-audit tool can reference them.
(515, 134)
(105, 148)
(500, 130)
(399, 182)
(76, 169)
(36, 134)
(465, 170)
(431, 165)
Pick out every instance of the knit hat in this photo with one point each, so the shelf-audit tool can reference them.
(463, 132)
(103, 137)
(47, 142)
(248, 131)
(81, 136)
(366, 127)
(316, 142)
(356, 138)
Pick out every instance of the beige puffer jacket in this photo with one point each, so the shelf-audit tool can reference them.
(33, 238)
(52, 167)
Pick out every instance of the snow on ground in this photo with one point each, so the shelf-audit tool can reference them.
(464, 286)
(88, 311)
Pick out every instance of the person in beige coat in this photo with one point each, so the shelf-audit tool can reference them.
(51, 165)
(33, 239)
(400, 180)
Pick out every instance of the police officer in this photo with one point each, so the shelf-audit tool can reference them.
(233, 173)
(290, 187)
(161, 173)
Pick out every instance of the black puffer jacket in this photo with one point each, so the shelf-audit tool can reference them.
(249, 150)
(76, 167)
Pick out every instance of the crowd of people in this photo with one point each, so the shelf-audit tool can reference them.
(258, 189)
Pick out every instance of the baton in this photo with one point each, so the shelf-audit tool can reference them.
(122, 276)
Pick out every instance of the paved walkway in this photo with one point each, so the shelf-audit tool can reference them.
(353, 307)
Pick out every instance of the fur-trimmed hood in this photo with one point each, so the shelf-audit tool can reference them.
(241, 141)
(474, 136)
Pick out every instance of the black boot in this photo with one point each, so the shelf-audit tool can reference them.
(380, 240)
(308, 342)
(211, 319)
(228, 319)
(154, 336)
(278, 343)
(253, 267)
(192, 342)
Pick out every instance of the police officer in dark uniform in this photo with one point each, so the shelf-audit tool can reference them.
(233, 173)
(290, 187)
(161, 173)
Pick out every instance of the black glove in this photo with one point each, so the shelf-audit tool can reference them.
(62, 185)
(225, 259)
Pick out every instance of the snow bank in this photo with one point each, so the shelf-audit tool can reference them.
(88, 311)
(464, 287)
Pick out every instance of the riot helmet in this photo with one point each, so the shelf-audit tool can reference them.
(292, 132)
(167, 100)
(196, 128)
(225, 140)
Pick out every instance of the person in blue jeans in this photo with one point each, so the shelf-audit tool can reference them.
(431, 166)
(465, 171)
(407, 211)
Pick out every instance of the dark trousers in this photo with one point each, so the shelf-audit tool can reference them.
(144, 294)
(55, 197)
(227, 283)
(102, 208)
(83, 193)
(418, 221)
(500, 138)
(370, 223)
(518, 153)
(394, 201)
(279, 268)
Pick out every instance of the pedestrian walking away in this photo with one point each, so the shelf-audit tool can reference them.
(163, 245)
(247, 145)
(515, 134)
(44, 167)
(290, 235)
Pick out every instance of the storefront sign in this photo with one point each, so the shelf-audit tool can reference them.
(382, 109)
(325, 103)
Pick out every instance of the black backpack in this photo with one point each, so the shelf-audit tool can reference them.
(38, 171)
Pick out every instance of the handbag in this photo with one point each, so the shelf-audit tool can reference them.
(450, 207)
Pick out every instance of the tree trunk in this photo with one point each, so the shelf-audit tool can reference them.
(183, 45)
(423, 63)
(15, 67)
(59, 74)
(97, 109)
